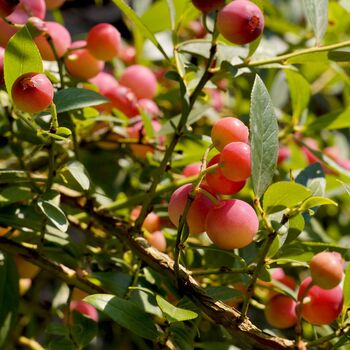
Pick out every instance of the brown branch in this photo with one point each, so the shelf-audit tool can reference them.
(217, 311)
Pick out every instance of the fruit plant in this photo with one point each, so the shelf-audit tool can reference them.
(177, 180)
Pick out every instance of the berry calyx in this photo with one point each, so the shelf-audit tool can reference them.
(32, 92)
(240, 22)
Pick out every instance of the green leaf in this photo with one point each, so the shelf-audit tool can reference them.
(116, 282)
(14, 194)
(223, 293)
(84, 329)
(264, 137)
(299, 92)
(296, 225)
(172, 13)
(126, 314)
(314, 57)
(76, 175)
(173, 313)
(346, 288)
(132, 16)
(76, 98)
(315, 202)
(316, 12)
(21, 56)
(19, 216)
(9, 296)
(331, 121)
(282, 195)
(55, 214)
(339, 56)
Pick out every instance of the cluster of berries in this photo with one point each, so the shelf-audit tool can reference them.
(229, 223)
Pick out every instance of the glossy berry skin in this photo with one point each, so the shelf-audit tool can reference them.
(7, 7)
(81, 64)
(232, 224)
(122, 99)
(280, 312)
(61, 40)
(84, 308)
(151, 222)
(26, 9)
(323, 306)
(150, 107)
(235, 161)
(327, 269)
(219, 183)
(240, 22)
(198, 210)
(32, 92)
(2, 53)
(105, 82)
(141, 80)
(104, 41)
(157, 240)
(208, 6)
(227, 130)
(192, 169)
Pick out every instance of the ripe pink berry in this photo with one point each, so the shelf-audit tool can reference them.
(321, 306)
(227, 130)
(192, 169)
(32, 92)
(151, 222)
(240, 22)
(141, 80)
(208, 6)
(150, 107)
(232, 224)
(26, 9)
(54, 4)
(84, 308)
(327, 269)
(313, 144)
(103, 41)
(235, 161)
(283, 154)
(280, 312)
(198, 210)
(157, 240)
(2, 53)
(7, 7)
(127, 54)
(122, 99)
(61, 40)
(80, 63)
(6, 32)
(219, 183)
(105, 82)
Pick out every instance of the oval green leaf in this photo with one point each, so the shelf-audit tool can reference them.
(284, 194)
(55, 214)
(126, 314)
(173, 313)
(264, 137)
